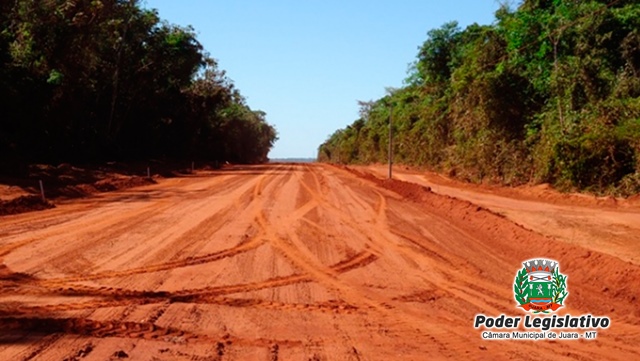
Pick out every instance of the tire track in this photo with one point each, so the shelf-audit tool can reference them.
(378, 240)
(199, 234)
(57, 327)
(132, 217)
(213, 295)
(295, 251)
(253, 243)
(187, 229)
(358, 260)
(41, 347)
(81, 353)
(100, 221)
(37, 319)
(243, 195)
(99, 329)
(197, 237)
(119, 298)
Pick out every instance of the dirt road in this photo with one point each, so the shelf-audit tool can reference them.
(289, 262)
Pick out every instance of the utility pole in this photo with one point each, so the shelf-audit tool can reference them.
(390, 143)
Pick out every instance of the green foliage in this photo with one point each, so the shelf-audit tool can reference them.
(548, 93)
(437, 56)
(559, 287)
(520, 286)
(103, 79)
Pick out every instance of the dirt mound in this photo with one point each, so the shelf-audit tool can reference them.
(22, 194)
(411, 191)
(115, 183)
(533, 192)
(514, 240)
(23, 204)
(110, 184)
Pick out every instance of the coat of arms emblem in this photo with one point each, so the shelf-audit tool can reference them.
(539, 286)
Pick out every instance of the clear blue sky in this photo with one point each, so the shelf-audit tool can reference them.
(306, 63)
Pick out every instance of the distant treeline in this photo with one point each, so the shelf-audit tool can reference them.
(549, 93)
(92, 80)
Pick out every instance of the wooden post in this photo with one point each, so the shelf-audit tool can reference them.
(193, 167)
(390, 143)
(44, 200)
(149, 172)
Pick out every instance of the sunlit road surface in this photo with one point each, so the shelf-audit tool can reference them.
(288, 262)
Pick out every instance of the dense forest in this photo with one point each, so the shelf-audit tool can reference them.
(95, 80)
(550, 92)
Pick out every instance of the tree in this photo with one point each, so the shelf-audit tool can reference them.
(101, 79)
(548, 93)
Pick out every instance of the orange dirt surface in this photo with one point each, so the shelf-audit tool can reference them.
(300, 262)
(602, 224)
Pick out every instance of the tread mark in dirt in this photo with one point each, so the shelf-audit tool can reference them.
(158, 313)
(324, 307)
(135, 216)
(101, 329)
(88, 327)
(81, 353)
(273, 352)
(42, 345)
(356, 354)
(253, 243)
(219, 350)
(208, 295)
(358, 260)
(190, 261)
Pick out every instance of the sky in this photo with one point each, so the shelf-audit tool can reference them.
(307, 63)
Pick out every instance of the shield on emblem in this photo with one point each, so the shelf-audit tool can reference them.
(540, 288)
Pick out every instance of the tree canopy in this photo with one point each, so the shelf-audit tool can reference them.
(548, 93)
(91, 80)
